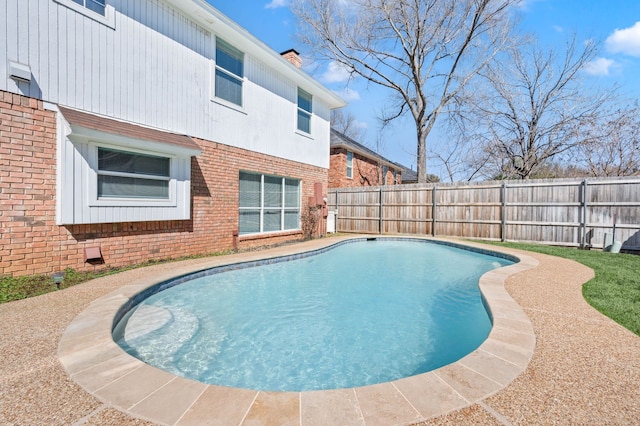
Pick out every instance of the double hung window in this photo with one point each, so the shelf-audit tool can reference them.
(229, 72)
(349, 164)
(268, 203)
(97, 6)
(123, 174)
(305, 102)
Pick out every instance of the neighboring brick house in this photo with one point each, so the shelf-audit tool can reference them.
(149, 129)
(408, 175)
(353, 164)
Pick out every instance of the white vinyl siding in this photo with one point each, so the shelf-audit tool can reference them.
(78, 166)
(268, 203)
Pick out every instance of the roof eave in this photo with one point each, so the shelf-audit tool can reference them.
(379, 159)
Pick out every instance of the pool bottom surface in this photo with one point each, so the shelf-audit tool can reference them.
(358, 314)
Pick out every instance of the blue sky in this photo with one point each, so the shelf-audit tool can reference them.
(613, 23)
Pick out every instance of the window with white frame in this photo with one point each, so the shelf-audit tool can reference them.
(349, 164)
(97, 6)
(131, 175)
(268, 203)
(229, 72)
(97, 10)
(305, 102)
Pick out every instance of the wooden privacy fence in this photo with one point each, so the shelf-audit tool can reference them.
(567, 212)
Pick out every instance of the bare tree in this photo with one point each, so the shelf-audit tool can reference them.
(424, 51)
(461, 159)
(535, 110)
(347, 124)
(615, 148)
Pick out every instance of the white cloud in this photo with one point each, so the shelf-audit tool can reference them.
(360, 125)
(626, 41)
(348, 95)
(276, 3)
(526, 4)
(599, 66)
(335, 73)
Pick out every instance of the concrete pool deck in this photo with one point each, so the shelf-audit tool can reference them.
(584, 369)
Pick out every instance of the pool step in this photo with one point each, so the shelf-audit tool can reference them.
(155, 334)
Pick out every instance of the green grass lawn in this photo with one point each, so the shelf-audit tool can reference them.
(615, 290)
(16, 288)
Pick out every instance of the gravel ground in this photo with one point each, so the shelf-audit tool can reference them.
(585, 370)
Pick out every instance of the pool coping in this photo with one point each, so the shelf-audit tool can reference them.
(94, 361)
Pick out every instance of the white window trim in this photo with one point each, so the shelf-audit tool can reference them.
(95, 201)
(283, 209)
(227, 104)
(350, 168)
(303, 134)
(109, 18)
(300, 109)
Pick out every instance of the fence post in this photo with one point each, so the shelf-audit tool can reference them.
(583, 195)
(433, 210)
(336, 218)
(503, 213)
(380, 214)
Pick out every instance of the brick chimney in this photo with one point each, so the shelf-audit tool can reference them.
(292, 56)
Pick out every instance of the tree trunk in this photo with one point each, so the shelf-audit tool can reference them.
(422, 155)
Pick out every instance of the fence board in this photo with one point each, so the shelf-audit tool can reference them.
(570, 212)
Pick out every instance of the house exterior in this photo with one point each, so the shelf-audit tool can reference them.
(408, 175)
(353, 165)
(146, 129)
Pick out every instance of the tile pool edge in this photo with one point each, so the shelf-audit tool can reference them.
(93, 360)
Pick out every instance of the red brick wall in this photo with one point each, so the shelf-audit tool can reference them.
(32, 242)
(366, 172)
(27, 191)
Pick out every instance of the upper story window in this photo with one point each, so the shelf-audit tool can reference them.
(229, 72)
(385, 170)
(349, 164)
(305, 102)
(124, 174)
(97, 6)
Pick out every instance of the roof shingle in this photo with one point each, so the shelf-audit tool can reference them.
(121, 128)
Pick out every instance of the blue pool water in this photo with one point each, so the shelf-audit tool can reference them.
(357, 314)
